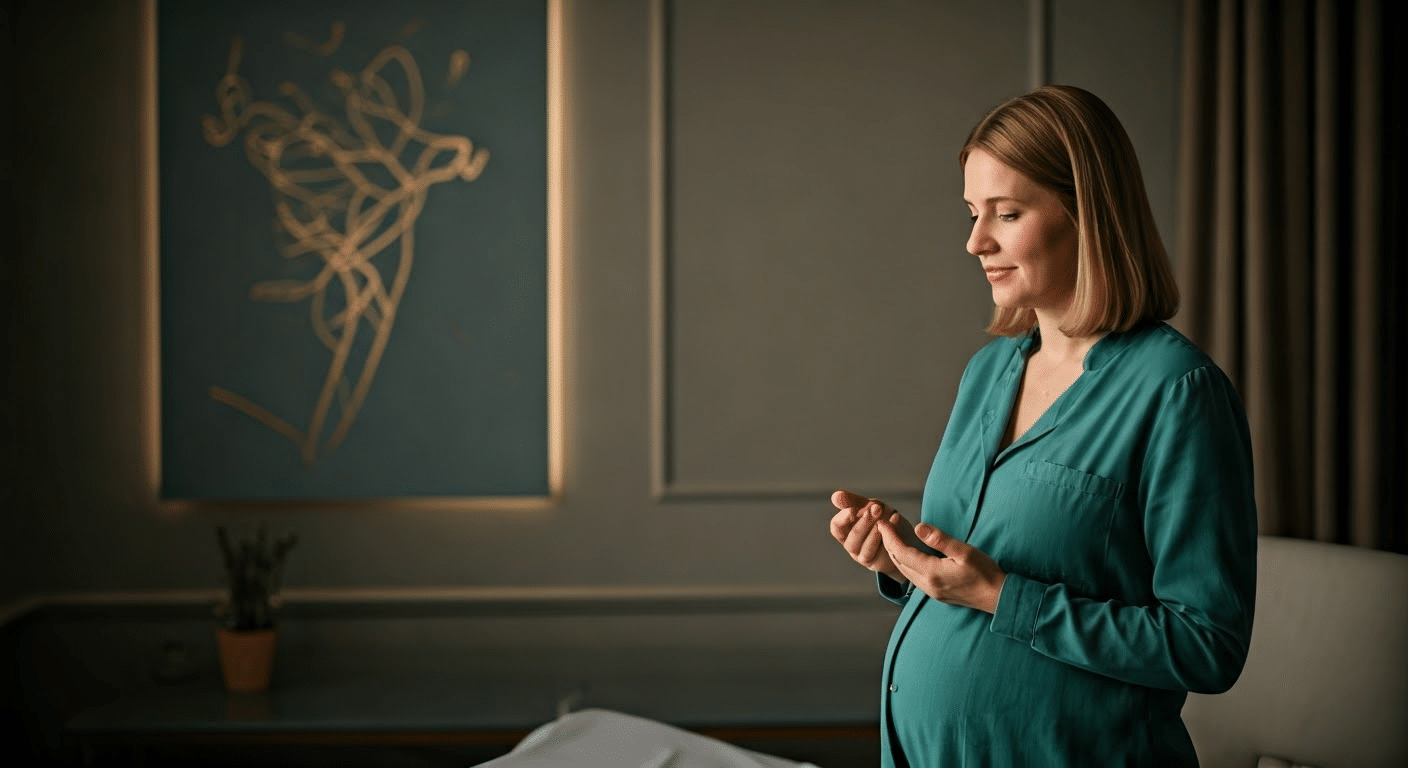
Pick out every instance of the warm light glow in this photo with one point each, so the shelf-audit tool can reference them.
(557, 299)
(659, 330)
(149, 357)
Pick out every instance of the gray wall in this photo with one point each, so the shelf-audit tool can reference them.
(800, 325)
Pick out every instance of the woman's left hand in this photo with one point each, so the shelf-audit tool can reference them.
(965, 576)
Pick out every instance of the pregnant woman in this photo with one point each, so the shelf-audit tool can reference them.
(1086, 551)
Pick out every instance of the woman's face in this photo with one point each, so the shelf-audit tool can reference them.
(1022, 235)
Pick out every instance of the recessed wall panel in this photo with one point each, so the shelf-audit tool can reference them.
(819, 302)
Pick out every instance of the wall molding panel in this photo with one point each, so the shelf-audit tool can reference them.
(807, 272)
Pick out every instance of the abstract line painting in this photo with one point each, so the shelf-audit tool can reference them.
(360, 322)
(329, 203)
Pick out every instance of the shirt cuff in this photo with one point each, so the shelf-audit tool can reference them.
(892, 590)
(1018, 605)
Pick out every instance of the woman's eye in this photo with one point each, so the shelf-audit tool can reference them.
(1007, 216)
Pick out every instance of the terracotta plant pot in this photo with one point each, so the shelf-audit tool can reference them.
(247, 658)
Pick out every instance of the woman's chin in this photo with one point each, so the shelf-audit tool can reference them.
(1005, 299)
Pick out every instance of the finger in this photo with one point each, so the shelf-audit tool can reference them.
(844, 517)
(940, 541)
(903, 557)
(872, 549)
(905, 531)
(902, 526)
(841, 524)
(855, 539)
(864, 537)
(843, 498)
(895, 545)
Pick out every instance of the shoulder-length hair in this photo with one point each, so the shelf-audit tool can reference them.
(1067, 140)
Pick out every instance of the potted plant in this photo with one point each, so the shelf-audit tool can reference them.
(247, 637)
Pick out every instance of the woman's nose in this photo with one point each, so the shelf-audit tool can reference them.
(979, 241)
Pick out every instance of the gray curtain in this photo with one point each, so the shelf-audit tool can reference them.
(1291, 253)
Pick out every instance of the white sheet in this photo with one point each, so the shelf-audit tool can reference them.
(599, 738)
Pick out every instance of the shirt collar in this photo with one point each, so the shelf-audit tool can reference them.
(1106, 349)
(1112, 344)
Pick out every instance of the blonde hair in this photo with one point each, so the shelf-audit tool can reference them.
(1067, 140)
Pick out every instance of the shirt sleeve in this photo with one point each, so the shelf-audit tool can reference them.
(1199, 525)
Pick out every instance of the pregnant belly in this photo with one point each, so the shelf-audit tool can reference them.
(956, 689)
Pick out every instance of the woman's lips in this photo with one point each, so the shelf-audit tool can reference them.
(997, 273)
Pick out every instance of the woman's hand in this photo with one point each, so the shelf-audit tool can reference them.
(965, 576)
(855, 527)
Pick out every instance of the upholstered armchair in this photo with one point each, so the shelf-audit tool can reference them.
(1326, 681)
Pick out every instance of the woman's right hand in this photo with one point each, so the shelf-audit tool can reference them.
(854, 527)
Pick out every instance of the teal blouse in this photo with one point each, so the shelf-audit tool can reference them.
(1125, 521)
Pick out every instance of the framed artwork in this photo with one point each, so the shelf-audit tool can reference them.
(353, 250)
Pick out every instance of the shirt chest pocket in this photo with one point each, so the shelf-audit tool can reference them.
(1065, 516)
(1065, 477)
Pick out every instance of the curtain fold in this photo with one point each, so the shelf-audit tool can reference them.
(1290, 250)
